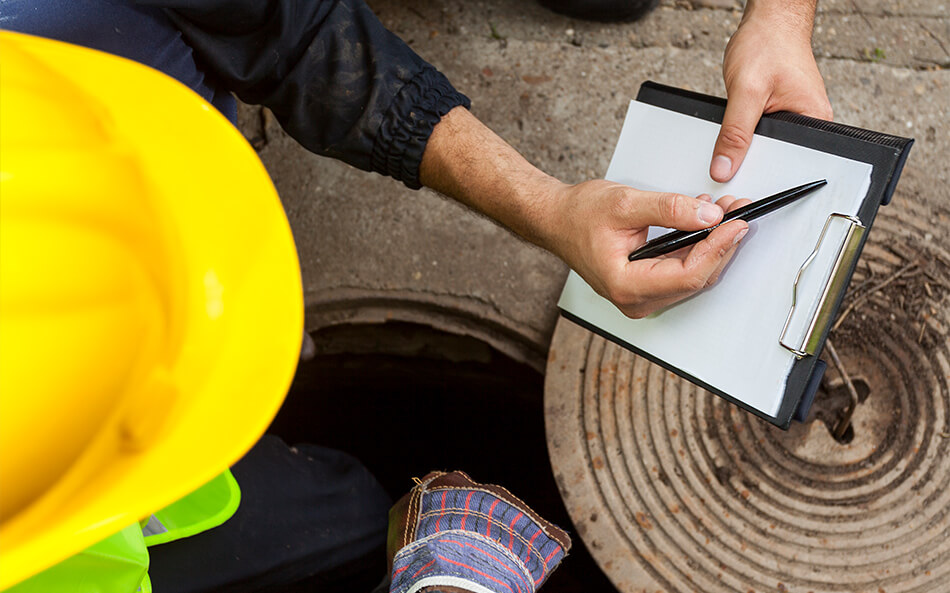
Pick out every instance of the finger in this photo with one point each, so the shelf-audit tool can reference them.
(726, 202)
(670, 210)
(704, 197)
(741, 202)
(642, 310)
(711, 258)
(743, 110)
(661, 279)
(725, 261)
(730, 203)
(714, 277)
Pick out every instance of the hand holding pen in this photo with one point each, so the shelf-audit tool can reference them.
(675, 240)
(595, 225)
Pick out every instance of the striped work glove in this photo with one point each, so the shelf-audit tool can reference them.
(450, 533)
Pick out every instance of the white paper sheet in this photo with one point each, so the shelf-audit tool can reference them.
(728, 335)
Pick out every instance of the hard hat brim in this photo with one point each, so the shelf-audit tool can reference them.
(241, 307)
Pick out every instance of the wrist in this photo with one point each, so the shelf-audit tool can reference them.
(544, 202)
(795, 17)
(468, 162)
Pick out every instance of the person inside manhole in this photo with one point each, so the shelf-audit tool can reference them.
(345, 87)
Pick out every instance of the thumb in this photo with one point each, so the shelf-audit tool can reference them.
(672, 211)
(743, 111)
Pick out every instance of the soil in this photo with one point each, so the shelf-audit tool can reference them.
(913, 289)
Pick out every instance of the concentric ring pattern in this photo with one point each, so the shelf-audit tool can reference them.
(673, 489)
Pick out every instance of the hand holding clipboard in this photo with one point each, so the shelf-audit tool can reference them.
(754, 337)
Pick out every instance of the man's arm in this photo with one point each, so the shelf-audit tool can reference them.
(768, 66)
(593, 226)
(338, 81)
(345, 87)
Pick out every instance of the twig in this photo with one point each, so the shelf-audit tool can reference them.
(860, 299)
(902, 253)
(937, 280)
(845, 421)
(937, 39)
(870, 278)
(858, 10)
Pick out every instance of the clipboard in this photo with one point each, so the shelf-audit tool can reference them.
(803, 300)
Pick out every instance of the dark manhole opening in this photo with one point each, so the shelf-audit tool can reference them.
(406, 398)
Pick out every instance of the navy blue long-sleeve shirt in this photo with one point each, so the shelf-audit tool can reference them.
(337, 80)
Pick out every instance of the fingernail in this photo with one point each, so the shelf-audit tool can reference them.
(709, 213)
(721, 167)
(739, 236)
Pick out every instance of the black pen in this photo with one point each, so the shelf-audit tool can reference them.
(674, 240)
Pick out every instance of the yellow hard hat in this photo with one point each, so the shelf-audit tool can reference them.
(151, 308)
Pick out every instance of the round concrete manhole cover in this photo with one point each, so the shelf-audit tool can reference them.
(675, 490)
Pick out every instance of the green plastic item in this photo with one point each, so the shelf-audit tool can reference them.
(205, 508)
(119, 563)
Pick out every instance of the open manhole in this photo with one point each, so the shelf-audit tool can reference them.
(675, 490)
(406, 398)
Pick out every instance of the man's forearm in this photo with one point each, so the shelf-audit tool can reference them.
(465, 160)
(794, 15)
(593, 226)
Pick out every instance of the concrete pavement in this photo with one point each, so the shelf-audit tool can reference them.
(557, 89)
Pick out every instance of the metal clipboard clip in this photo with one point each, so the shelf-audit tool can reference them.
(836, 281)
